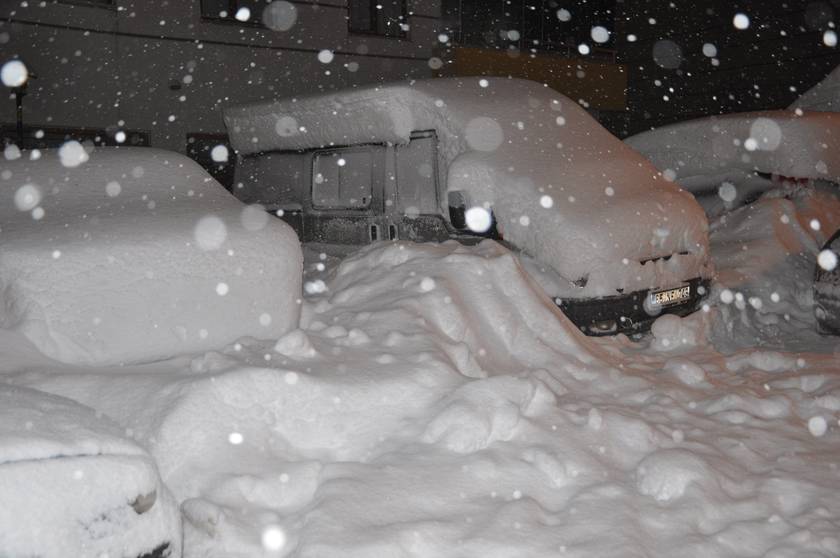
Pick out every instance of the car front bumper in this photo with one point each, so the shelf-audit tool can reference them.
(628, 313)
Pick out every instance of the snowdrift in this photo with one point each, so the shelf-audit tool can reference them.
(434, 404)
(563, 188)
(137, 254)
(70, 483)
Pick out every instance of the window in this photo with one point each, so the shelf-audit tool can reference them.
(379, 17)
(342, 179)
(416, 175)
(44, 137)
(273, 179)
(220, 164)
(527, 24)
(100, 3)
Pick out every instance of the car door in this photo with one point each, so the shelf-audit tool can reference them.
(345, 205)
(416, 213)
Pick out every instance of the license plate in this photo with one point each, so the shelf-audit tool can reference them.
(669, 297)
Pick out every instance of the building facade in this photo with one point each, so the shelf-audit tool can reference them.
(161, 70)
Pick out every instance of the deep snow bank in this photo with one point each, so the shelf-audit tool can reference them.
(562, 187)
(433, 404)
(137, 254)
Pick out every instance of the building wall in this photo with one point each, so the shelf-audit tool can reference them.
(157, 65)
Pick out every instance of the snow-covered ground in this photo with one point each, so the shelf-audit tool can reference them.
(434, 402)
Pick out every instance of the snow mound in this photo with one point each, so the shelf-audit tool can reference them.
(672, 332)
(72, 484)
(137, 244)
(665, 475)
(446, 409)
(464, 306)
(563, 189)
(298, 412)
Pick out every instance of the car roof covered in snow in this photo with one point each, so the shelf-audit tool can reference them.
(562, 187)
(824, 96)
(105, 246)
(703, 152)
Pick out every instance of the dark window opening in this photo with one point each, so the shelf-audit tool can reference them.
(45, 137)
(541, 25)
(214, 153)
(97, 3)
(388, 18)
(342, 178)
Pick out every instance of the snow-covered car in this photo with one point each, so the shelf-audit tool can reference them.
(728, 161)
(784, 168)
(612, 241)
(103, 247)
(72, 484)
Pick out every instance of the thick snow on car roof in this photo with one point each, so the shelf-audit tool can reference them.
(100, 250)
(563, 188)
(702, 153)
(824, 96)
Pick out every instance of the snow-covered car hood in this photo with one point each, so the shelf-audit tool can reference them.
(563, 189)
(72, 484)
(703, 153)
(35, 425)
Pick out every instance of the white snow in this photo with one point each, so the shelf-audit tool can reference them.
(434, 402)
(504, 146)
(71, 472)
(707, 152)
(824, 96)
(143, 237)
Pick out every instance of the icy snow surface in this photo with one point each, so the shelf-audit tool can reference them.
(510, 145)
(136, 254)
(435, 403)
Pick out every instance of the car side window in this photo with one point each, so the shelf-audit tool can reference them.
(341, 179)
(417, 175)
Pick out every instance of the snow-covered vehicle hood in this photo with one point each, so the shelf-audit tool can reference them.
(705, 152)
(72, 484)
(563, 189)
(35, 425)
